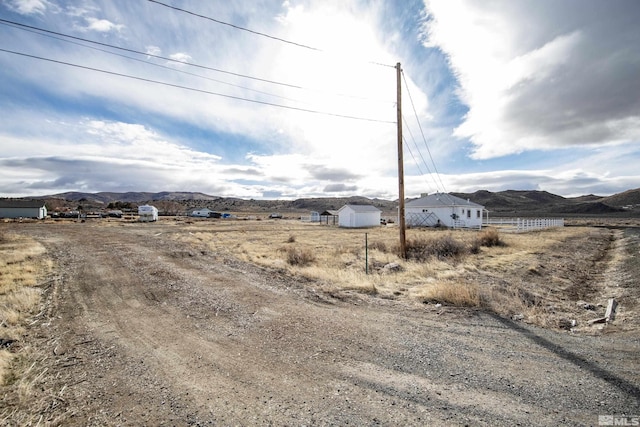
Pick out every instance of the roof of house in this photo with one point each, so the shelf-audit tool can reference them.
(329, 212)
(15, 203)
(361, 208)
(440, 200)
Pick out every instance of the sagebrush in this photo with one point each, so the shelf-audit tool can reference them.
(300, 256)
(441, 247)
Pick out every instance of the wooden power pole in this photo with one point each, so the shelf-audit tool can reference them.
(401, 219)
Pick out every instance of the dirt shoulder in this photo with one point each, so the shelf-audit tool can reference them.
(140, 329)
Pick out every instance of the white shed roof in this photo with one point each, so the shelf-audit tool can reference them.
(20, 203)
(361, 208)
(440, 200)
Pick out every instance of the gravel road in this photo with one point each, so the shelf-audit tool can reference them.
(141, 330)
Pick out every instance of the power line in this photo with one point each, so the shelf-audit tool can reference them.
(39, 31)
(195, 89)
(152, 55)
(151, 63)
(414, 159)
(237, 27)
(422, 132)
(421, 156)
(415, 144)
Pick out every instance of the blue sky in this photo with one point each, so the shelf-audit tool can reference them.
(528, 94)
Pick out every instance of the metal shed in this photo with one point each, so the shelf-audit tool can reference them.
(355, 216)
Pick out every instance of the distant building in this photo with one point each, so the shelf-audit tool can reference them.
(443, 209)
(12, 208)
(147, 213)
(202, 213)
(356, 216)
(116, 213)
(329, 217)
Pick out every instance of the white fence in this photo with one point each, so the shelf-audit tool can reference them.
(521, 225)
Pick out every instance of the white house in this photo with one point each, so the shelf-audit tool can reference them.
(12, 208)
(443, 209)
(147, 213)
(354, 216)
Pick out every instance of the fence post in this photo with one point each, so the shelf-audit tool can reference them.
(366, 253)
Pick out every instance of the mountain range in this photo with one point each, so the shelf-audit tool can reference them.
(502, 203)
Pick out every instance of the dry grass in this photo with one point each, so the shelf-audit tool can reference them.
(335, 256)
(22, 265)
(300, 256)
(498, 271)
(451, 292)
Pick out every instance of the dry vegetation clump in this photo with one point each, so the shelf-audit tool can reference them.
(299, 256)
(441, 247)
(490, 238)
(379, 246)
(452, 292)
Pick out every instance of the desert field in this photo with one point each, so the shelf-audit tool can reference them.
(282, 322)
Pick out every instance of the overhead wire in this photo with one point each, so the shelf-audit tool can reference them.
(151, 55)
(408, 128)
(422, 132)
(38, 30)
(404, 140)
(153, 64)
(195, 89)
(238, 27)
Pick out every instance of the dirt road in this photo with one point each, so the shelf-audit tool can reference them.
(140, 330)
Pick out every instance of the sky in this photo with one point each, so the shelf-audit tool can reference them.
(293, 99)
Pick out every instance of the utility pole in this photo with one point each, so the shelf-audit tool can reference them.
(401, 221)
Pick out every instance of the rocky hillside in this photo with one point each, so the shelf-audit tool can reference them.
(503, 203)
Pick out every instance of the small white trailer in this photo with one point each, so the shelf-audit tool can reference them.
(147, 213)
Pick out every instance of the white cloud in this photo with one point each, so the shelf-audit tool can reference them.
(102, 25)
(180, 56)
(519, 67)
(537, 76)
(29, 7)
(153, 50)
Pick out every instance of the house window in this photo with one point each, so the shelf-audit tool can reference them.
(478, 214)
(468, 213)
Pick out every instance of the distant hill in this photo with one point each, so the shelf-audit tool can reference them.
(132, 197)
(502, 203)
(529, 203)
(512, 199)
(627, 198)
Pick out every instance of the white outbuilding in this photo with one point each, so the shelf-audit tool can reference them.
(147, 213)
(355, 216)
(15, 208)
(443, 209)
